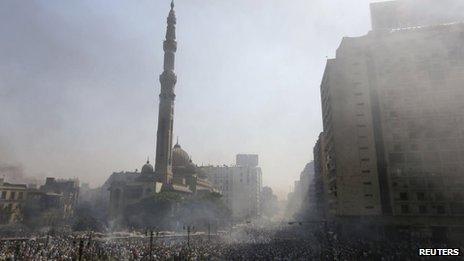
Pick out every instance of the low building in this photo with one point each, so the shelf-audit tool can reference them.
(12, 198)
(65, 189)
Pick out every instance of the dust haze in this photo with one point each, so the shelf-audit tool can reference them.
(78, 82)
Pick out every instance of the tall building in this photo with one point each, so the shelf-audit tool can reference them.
(324, 186)
(392, 103)
(240, 186)
(413, 13)
(300, 198)
(269, 203)
(168, 79)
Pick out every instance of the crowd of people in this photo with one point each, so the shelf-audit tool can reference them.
(239, 244)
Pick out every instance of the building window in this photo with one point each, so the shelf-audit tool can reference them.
(368, 195)
(421, 196)
(457, 196)
(20, 195)
(414, 147)
(369, 207)
(439, 196)
(440, 209)
(367, 183)
(393, 114)
(404, 196)
(12, 195)
(404, 209)
(366, 171)
(3, 194)
(423, 209)
(396, 158)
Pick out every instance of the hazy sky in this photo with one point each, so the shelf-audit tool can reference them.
(79, 81)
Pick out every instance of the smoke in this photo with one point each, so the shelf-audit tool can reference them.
(10, 171)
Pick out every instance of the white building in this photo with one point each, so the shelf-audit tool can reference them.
(240, 186)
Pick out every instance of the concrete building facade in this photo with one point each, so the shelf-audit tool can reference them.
(240, 186)
(12, 198)
(392, 104)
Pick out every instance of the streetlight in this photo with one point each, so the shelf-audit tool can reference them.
(209, 231)
(189, 229)
(151, 230)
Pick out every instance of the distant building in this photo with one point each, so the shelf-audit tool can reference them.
(250, 160)
(12, 198)
(269, 203)
(392, 104)
(67, 190)
(240, 186)
(298, 200)
(45, 208)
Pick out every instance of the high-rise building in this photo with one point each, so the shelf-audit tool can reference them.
(300, 199)
(392, 103)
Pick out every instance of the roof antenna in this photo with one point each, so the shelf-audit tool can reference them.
(148, 159)
(172, 4)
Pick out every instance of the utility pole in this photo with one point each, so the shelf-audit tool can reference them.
(151, 244)
(90, 239)
(89, 246)
(17, 250)
(189, 229)
(209, 231)
(81, 248)
(46, 241)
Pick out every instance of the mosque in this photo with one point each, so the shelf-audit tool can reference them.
(174, 170)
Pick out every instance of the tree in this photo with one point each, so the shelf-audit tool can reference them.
(168, 209)
(86, 219)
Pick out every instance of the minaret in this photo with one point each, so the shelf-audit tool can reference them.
(168, 79)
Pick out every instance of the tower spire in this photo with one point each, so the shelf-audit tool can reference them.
(168, 80)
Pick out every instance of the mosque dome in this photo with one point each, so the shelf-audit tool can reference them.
(180, 157)
(147, 168)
